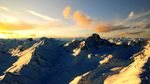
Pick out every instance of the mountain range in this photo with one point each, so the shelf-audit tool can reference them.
(92, 60)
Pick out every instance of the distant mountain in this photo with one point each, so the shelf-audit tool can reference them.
(88, 61)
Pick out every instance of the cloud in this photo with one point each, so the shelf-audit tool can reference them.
(42, 16)
(131, 33)
(8, 19)
(10, 22)
(120, 27)
(85, 21)
(138, 15)
(81, 19)
(67, 12)
(104, 27)
(144, 24)
(24, 26)
(14, 23)
(147, 35)
(51, 22)
(98, 26)
(16, 26)
(4, 8)
(8, 10)
(147, 25)
(10, 35)
(6, 33)
(78, 17)
(131, 14)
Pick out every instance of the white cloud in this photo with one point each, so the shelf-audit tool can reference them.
(4, 8)
(42, 16)
(50, 22)
(131, 14)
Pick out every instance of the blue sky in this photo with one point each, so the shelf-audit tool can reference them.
(102, 9)
(104, 15)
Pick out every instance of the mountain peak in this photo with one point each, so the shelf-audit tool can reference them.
(94, 36)
(94, 41)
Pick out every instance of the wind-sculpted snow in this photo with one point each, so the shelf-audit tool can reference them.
(130, 74)
(118, 71)
(24, 59)
(49, 61)
(77, 79)
(6, 58)
(106, 59)
(78, 50)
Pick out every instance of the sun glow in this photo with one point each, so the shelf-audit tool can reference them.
(2, 36)
(5, 35)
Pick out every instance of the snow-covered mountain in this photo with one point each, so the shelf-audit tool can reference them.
(89, 61)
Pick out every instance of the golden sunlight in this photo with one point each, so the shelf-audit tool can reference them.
(2, 36)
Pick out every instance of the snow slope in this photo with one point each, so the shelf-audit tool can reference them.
(130, 74)
(119, 71)
(51, 61)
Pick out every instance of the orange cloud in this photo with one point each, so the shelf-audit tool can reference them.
(103, 28)
(85, 21)
(81, 19)
(14, 23)
(67, 12)
(10, 22)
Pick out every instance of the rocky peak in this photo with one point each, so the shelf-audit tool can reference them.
(94, 37)
(94, 41)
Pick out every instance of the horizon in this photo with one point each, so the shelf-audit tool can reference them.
(74, 38)
(73, 19)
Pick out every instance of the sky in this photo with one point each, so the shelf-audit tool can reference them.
(74, 18)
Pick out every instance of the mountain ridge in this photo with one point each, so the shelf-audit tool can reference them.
(53, 61)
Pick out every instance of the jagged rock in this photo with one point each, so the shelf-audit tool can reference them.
(95, 42)
(30, 39)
